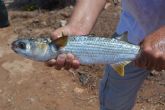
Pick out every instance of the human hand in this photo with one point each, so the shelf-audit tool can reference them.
(81, 23)
(152, 56)
(66, 61)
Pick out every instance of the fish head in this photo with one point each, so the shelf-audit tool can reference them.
(22, 46)
(39, 49)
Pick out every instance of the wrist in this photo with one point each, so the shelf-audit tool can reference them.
(78, 29)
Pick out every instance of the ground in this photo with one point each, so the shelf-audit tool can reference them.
(29, 85)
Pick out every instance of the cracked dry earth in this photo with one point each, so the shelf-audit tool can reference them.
(29, 85)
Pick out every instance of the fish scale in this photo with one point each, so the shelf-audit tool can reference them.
(92, 50)
(87, 49)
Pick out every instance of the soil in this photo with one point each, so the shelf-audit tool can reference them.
(29, 85)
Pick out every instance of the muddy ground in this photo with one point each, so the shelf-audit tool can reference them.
(29, 85)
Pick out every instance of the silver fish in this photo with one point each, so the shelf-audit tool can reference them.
(87, 49)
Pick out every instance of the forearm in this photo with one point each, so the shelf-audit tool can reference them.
(85, 14)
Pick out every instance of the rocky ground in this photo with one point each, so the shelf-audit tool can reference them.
(29, 85)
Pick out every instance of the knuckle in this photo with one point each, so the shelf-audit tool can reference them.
(54, 35)
(157, 55)
(70, 56)
(50, 63)
(76, 64)
(147, 49)
(61, 59)
(60, 62)
(69, 59)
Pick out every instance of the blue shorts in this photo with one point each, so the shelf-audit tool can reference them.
(119, 93)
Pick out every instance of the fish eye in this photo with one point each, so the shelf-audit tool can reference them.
(22, 45)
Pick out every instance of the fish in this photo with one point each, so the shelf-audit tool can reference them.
(88, 49)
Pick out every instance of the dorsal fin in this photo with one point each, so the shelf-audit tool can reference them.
(123, 37)
(62, 41)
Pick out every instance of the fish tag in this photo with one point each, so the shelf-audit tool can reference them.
(119, 67)
(61, 42)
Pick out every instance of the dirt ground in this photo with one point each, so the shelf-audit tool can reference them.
(29, 85)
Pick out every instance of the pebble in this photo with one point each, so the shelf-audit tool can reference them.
(63, 23)
(78, 90)
(0, 91)
(107, 5)
(1, 52)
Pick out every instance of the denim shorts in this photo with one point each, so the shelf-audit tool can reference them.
(119, 93)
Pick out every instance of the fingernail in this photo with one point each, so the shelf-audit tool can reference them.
(76, 64)
(52, 61)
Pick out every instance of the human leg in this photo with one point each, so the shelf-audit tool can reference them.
(119, 93)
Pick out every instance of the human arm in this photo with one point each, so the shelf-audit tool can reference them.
(153, 51)
(81, 22)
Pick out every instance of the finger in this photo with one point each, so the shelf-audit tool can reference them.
(69, 61)
(50, 63)
(154, 60)
(146, 60)
(60, 32)
(75, 64)
(60, 61)
(55, 35)
(141, 60)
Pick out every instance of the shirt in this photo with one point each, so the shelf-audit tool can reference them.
(140, 18)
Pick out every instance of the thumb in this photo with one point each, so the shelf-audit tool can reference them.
(59, 33)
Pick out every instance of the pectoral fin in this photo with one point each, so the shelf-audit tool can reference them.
(61, 42)
(119, 67)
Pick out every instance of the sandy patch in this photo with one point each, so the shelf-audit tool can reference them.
(1, 52)
(18, 67)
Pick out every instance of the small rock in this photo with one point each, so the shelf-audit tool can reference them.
(44, 23)
(71, 7)
(14, 67)
(9, 100)
(36, 21)
(63, 22)
(65, 15)
(115, 14)
(0, 91)
(84, 78)
(31, 99)
(52, 12)
(107, 5)
(1, 52)
(20, 82)
(78, 90)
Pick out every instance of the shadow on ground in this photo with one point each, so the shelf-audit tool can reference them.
(30, 5)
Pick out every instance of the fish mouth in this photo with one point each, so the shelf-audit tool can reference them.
(14, 46)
